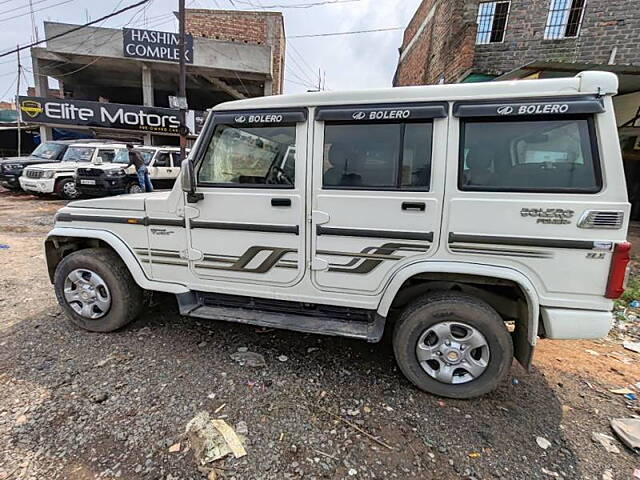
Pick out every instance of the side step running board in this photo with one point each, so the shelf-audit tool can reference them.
(191, 305)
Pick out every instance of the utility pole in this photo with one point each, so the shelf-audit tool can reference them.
(18, 103)
(182, 88)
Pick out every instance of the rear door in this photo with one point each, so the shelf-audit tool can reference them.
(250, 223)
(378, 184)
(526, 189)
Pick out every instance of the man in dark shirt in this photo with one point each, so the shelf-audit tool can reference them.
(136, 160)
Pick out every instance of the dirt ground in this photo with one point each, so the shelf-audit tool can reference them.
(79, 405)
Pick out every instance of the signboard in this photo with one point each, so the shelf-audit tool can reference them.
(61, 111)
(154, 45)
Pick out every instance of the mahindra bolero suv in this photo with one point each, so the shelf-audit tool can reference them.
(468, 220)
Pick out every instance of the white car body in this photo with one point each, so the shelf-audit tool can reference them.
(43, 178)
(358, 247)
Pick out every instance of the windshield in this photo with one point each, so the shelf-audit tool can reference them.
(122, 156)
(78, 154)
(47, 150)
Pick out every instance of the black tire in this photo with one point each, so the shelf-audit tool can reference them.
(14, 187)
(127, 298)
(437, 307)
(63, 189)
(134, 187)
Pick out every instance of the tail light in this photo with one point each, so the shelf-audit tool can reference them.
(618, 271)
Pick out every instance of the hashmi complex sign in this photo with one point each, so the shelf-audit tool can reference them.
(153, 45)
(56, 111)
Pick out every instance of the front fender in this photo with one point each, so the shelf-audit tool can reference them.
(463, 268)
(122, 249)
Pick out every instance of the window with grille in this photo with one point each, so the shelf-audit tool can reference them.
(564, 20)
(492, 22)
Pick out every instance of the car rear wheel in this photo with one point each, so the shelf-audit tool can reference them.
(452, 345)
(13, 186)
(66, 189)
(97, 291)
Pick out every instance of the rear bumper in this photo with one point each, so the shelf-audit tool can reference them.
(565, 324)
(38, 185)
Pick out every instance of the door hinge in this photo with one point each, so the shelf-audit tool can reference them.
(191, 254)
(318, 264)
(319, 217)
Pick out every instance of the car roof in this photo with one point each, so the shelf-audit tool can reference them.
(155, 147)
(80, 140)
(99, 145)
(589, 82)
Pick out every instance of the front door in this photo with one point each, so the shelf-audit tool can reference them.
(249, 226)
(378, 184)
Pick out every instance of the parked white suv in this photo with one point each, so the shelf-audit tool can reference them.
(163, 164)
(58, 178)
(442, 211)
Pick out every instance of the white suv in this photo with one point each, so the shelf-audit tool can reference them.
(440, 212)
(58, 178)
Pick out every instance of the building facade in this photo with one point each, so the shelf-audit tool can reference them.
(449, 41)
(129, 72)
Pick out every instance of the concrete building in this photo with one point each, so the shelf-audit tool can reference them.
(231, 55)
(450, 41)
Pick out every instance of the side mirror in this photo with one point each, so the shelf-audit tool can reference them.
(188, 181)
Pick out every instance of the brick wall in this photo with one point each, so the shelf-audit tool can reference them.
(258, 28)
(446, 46)
(438, 44)
(606, 24)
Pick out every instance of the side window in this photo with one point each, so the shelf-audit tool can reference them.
(530, 155)
(107, 155)
(175, 159)
(122, 156)
(245, 156)
(162, 160)
(393, 156)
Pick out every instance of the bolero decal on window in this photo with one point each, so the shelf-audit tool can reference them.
(382, 113)
(513, 108)
(260, 117)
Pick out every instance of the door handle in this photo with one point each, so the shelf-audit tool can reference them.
(414, 206)
(280, 202)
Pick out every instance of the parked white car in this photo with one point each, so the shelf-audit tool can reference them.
(58, 178)
(442, 212)
(163, 164)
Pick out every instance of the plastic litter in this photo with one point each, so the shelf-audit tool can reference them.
(4, 246)
(628, 431)
(606, 441)
(633, 346)
(213, 439)
(634, 303)
(630, 396)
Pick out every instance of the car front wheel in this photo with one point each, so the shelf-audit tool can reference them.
(66, 189)
(452, 345)
(96, 290)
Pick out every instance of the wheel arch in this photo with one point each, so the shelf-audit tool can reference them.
(60, 242)
(444, 274)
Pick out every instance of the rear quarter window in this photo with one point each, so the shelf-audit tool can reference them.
(547, 155)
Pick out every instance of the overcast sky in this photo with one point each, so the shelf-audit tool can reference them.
(351, 61)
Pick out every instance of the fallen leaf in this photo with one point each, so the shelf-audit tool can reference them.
(592, 352)
(566, 408)
(474, 455)
(174, 448)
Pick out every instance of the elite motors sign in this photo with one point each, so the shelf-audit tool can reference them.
(154, 45)
(56, 111)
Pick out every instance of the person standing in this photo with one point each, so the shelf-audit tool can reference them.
(142, 172)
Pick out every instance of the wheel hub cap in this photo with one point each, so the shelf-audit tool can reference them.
(87, 293)
(453, 352)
